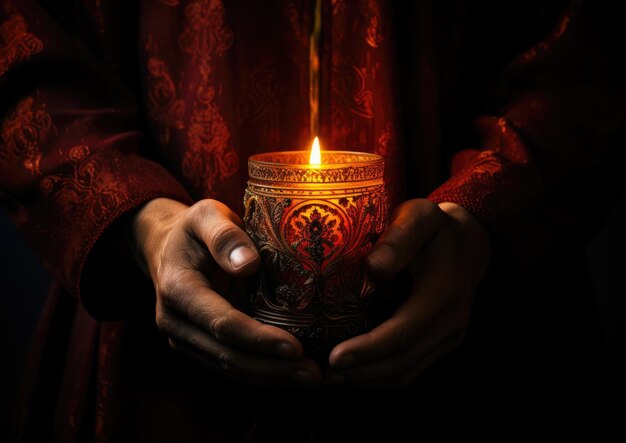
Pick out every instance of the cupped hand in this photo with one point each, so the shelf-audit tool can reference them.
(446, 250)
(178, 246)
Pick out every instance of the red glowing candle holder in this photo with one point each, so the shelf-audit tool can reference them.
(314, 225)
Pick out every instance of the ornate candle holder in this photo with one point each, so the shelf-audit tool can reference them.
(314, 226)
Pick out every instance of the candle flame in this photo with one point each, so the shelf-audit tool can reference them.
(316, 155)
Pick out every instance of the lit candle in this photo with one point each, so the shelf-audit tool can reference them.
(314, 223)
(316, 154)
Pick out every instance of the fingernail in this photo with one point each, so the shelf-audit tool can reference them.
(286, 350)
(383, 257)
(241, 256)
(345, 361)
(335, 379)
(303, 376)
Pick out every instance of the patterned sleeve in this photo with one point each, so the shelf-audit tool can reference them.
(565, 113)
(69, 162)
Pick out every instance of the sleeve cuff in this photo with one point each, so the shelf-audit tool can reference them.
(81, 207)
(495, 183)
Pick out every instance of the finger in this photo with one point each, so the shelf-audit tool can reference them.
(398, 371)
(421, 320)
(413, 224)
(189, 297)
(215, 225)
(410, 327)
(243, 366)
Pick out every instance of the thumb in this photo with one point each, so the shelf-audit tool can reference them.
(413, 224)
(219, 228)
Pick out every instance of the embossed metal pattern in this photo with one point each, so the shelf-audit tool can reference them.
(314, 227)
(336, 167)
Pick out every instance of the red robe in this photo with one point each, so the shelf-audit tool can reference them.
(107, 104)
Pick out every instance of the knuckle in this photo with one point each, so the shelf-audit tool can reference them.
(407, 206)
(426, 210)
(401, 234)
(258, 337)
(164, 323)
(426, 205)
(205, 207)
(221, 327)
(431, 206)
(226, 361)
(173, 288)
(224, 235)
(167, 286)
(202, 210)
(160, 319)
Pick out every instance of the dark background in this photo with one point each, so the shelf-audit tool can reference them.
(24, 284)
(23, 288)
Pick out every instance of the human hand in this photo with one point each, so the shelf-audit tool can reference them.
(446, 250)
(178, 246)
